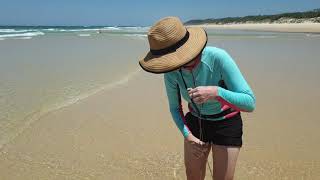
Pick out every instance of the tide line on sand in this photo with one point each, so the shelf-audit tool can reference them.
(37, 114)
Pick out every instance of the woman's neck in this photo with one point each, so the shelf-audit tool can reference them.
(193, 65)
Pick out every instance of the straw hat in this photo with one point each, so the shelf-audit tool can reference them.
(172, 45)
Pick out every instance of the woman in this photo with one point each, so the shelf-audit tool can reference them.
(210, 81)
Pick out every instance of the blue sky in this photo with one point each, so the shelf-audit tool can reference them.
(139, 12)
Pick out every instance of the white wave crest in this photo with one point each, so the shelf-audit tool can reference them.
(111, 28)
(84, 35)
(12, 31)
(77, 30)
(50, 29)
(29, 34)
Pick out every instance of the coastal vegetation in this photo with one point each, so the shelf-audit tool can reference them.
(294, 17)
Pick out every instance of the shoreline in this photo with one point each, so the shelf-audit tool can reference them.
(285, 27)
(37, 115)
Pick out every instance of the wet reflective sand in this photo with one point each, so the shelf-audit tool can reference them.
(126, 132)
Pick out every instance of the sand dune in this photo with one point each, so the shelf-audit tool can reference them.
(299, 27)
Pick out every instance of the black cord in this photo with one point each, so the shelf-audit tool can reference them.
(194, 104)
(198, 112)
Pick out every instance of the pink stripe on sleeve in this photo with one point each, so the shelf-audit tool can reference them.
(224, 102)
(224, 107)
(231, 114)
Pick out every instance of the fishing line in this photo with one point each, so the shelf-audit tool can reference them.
(198, 112)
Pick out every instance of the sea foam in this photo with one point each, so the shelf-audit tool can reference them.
(12, 31)
(84, 35)
(111, 28)
(28, 34)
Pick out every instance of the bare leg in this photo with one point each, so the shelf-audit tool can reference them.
(224, 161)
(195, 159)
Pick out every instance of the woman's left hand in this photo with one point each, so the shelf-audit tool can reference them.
(201, 94)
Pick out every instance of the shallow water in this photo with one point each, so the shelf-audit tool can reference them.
(48, 72)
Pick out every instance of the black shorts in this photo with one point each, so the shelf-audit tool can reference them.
(227, 132)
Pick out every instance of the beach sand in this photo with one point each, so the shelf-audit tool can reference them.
(127, 133)
(298, 27)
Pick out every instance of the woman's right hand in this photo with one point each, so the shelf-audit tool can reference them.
(193, 140)
(199, 148)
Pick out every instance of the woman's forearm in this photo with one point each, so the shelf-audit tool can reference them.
(238, 101)
(178, 117)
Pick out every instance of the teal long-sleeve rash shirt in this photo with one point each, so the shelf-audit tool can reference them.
(215, 64)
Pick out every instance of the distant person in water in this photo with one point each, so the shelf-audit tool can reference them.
(215, 89)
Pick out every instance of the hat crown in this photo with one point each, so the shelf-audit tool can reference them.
(165, 33)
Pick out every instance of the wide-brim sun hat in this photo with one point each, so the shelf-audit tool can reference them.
(172, 45)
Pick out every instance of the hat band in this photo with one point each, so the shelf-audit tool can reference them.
(171, 48)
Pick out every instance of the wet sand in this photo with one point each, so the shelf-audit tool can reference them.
(299, 27)
(127, 133)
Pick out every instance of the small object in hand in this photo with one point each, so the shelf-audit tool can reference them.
(189, 89)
